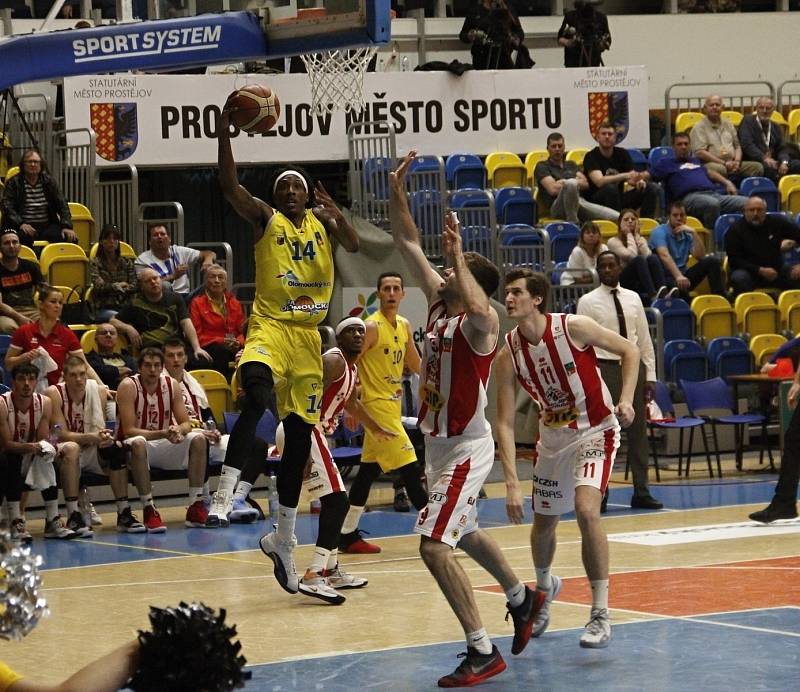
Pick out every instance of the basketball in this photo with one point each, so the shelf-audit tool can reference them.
(254, 108)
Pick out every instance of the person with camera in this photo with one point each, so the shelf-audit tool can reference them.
(496, 35)
(584, 34)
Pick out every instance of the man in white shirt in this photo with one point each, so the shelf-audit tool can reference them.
(621, 310)
(171, 262)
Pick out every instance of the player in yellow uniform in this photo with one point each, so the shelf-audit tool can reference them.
(294, 280)
(388, 349)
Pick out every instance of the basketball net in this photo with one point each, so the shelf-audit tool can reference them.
(337, 79)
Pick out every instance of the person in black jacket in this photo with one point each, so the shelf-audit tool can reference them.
(584, 34)
(762, 141)
(496, 36)
(753, 245)
(110, 363)
(34, 205)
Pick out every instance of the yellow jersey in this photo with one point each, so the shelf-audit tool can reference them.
(294, 271)
(381, 368)
(7, 677)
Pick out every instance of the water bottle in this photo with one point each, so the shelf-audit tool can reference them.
(404, 64)
(272, 495)
(211, 426)
(84, 506)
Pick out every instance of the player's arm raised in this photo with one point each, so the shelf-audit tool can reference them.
(504, 430)
(585, 331)
(256, 212)
(404, 231)
(334, 221)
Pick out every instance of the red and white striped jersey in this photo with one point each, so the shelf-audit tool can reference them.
(453, 393)
(153, 411)
(192, 404)
(72, 410)
(563, 379)
(24, 423)
(336, 394)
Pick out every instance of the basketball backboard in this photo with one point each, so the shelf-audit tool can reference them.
(339, 24)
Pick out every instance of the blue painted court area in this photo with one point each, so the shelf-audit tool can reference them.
(108, 546)
(753, 650)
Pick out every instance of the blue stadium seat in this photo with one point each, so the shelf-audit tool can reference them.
(685, 360)
(376, 177)
(465, 171)
(757, 186)
(658, 153)
(563, 238)
(723, 223)
(515, 205)
(679, 320)
(639, 159)
(729, 355)
(426, 173)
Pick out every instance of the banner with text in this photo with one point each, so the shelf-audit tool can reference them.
(151, 120)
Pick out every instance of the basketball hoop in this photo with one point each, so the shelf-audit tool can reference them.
(337, 78)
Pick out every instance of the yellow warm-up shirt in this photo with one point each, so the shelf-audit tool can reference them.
(294, 271)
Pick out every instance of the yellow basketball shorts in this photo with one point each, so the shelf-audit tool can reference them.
(292, 353)
(391, 454)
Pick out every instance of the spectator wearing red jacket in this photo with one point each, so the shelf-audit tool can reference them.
(219, 320)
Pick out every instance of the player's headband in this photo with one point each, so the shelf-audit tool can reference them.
(288, 173)
(350, 322)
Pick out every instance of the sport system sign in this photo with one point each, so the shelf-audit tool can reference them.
(170, 119)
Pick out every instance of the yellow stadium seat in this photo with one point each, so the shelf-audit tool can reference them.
(788, 187)
(734, 116)
(646, 226)
(88, 342)
(778, 118)
(789, 307)
(531, 159)
(577, 155)
(794, 121)
(11, 172)
(694, 222)
(714, 317)
(504, 169)
(64, 264)
(764, 345)
(124, 249)
(686, 121)
(756, 313)
(27, 253)
(608, 229)
(82, 224)
(217, 391)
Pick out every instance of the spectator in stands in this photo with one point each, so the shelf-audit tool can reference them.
(493, 29)
(19, 280)
(715, 142)
(642, 271)
(609, 168)
(110, 362)
(686, 179)
(584, 256)
(112, 276)
(46, 342)
(673, 242)
(762, 141)
(218, 318)
(153, 422)
(171, 262)
(560, 185)
(153, 315)
(585, 35)
(34, 205)
(753, 245)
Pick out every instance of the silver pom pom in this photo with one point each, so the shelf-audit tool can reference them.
(20, 582)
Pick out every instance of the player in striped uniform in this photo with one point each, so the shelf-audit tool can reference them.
(552, 357)
(153, 423)
(460, 344)
(293, 248)
(25, 418)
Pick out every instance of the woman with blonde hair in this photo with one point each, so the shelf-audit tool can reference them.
(584, 255)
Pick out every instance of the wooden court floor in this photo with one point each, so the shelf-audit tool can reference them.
(695, 585)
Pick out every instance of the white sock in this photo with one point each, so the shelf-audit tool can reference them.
(227, 479)
(206, 489)
(242, 490)
(516, 595)
(600, 594)
(195, 494)
(122, 505)
(543, 580)
(72, 506)
(333, 559)
(319, 559)
(480, 640)
(13, 510)
(286, 521)
(147, 500)
(51, 509)
(352, 518)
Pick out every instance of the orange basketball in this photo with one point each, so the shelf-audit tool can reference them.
(254, 108)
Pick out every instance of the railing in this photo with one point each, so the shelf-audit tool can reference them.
(225, 261)
(118, 198)
(372, 153)
(173, 222)
(74, 166)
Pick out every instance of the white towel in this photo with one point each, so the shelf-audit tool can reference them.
(41, 472)
(196, 388)
(94, 416)
(45, 364)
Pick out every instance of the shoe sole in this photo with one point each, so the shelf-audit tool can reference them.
(61, 538)
(518, 648)
(556, 591)
(244, 518)
(196, 525)
(339, 587)
(278, 569)
(160, 529)
(308, 590)
(122, 529)
(350, 551)
(593, 645)
(491, 672)
(216, 522)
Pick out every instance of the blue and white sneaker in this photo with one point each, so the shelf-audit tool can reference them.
(242, 513)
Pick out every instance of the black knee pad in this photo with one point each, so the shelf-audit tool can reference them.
(257, 382)
(115, 456)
